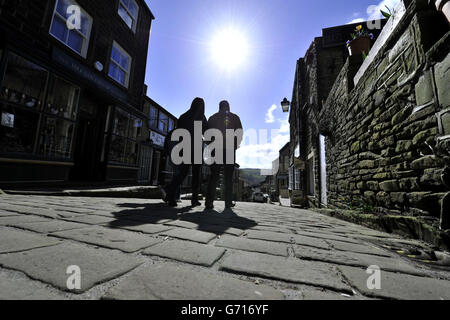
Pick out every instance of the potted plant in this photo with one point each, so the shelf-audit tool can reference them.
(443, 6)
(361, 42)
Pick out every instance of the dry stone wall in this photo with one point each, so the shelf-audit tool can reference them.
(382, 134)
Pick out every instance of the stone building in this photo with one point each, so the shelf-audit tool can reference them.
(154, 168)
(71, 97)
(314, 77)
(385, 126)
(282, 176)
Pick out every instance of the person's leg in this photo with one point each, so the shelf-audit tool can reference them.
(173, 187)
(229, 171)
(196, 171)
(212, 185)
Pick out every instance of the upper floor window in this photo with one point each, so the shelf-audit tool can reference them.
(128, 11)
(163, 122)
(153, 122)
(171, 125)
(120, 65)
(76, 39)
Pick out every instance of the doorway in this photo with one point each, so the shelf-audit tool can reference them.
(89, 143)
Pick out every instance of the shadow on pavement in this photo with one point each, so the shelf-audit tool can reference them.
(209, 220)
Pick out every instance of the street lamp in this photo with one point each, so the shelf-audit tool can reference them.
(285, 104)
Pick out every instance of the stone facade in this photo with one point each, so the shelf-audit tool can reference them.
(315, 76)
(385, 150)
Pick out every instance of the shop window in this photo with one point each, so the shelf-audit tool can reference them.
(129, 11)
(126, 129)
(24, 83)
(21, 97)
(63, 98)
(75, 39)
(163, 122)
(56, 136)
(153, 122)
(120, 65)
(121, 123)
(17, 129)
(23, 112)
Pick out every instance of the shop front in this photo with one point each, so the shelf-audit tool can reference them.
(57, 128)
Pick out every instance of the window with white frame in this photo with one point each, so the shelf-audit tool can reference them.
(120, 65)
(75, 39)
(297, 180)
(291, 178)
(129, 11)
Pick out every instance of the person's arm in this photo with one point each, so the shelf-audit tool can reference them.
(239, 127)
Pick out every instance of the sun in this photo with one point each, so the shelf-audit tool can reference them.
(229, 49)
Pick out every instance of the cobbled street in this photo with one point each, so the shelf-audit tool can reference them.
(141, 249)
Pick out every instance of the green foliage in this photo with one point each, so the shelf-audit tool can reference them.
(385, 14)
(359, 205)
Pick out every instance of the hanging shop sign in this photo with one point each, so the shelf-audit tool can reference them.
(299, 164)
(157, 139)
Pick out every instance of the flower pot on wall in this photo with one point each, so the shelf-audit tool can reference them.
(443, 6)
(359, 45)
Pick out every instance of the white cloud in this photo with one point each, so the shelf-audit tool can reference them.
(356, 20)
(374, 11)
(261, 155)
(270, 118)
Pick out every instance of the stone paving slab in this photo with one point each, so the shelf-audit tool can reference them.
(115, 239)
(287, 238)
(286, 269)
(327, 236)
(25, 289)
(273, 248)
(315, 295)
(50, 226)
(399, 286)
(185, 251)
(359, 248)
(133, 226)
(222, 229)
(91, 219)
(170, 282)
(182, 224)
(21, 219)
(15, 241)
(50, 264)
(8, 214)
(357, 259)
(23, 208)
(191, 235)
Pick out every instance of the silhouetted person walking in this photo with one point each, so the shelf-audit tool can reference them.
(186, 121)
(224, 120)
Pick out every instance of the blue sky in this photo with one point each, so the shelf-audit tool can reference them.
(277, 32)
